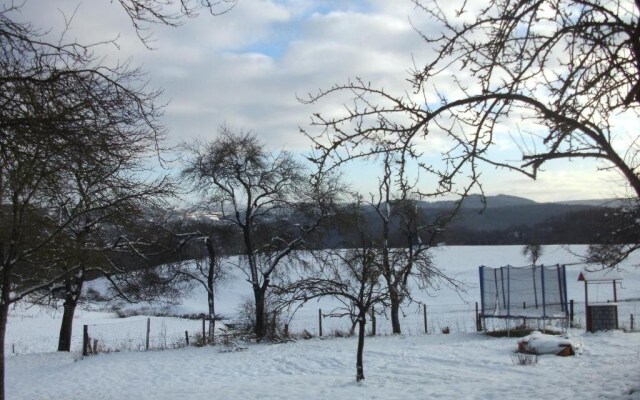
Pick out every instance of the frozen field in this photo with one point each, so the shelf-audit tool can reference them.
(461, 365)
(456, 366)
(35, 329)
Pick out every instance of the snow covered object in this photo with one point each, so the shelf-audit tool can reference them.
(540, 343)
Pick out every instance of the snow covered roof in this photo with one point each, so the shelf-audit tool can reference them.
(601, 275)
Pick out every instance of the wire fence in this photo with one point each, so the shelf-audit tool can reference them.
(413, 320)
(141, 333)
(451, 318)
(158, 333)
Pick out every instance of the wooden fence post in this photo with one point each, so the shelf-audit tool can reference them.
(148, 333)
(320, 322)
(85, 341)
(631, 323)
(478, 320)
(424, 308)
(186, 336)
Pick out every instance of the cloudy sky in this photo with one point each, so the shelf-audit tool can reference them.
(246, 67)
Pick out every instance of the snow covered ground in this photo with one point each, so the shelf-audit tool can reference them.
(460, 365)
(456, 366)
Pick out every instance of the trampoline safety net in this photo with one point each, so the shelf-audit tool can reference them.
(533, 291)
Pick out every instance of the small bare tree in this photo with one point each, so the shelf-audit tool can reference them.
(533, 251)
(207, 270)
(352, 276)
(399, 215)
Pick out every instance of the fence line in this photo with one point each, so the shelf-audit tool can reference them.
(455, 317)
(448, 317)
(140, 333)
(146, 333)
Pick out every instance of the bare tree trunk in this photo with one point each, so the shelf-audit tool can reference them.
(260, 330)
(4, 314)
(212, 319)
(361, 334)
(394, 301)
(4, 311)
(73, 291)
(258, 291)
(387, 269)
(210, 290)
(5, 301)
(64, 340)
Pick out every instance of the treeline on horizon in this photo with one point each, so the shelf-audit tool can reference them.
(544, 224)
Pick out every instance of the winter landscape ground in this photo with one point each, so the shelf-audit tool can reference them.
(463, 364)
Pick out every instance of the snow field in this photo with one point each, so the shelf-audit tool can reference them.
(414, 365)
(456, 366)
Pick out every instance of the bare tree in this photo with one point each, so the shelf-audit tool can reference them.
(620, 236)
(558, 75)
(206, 268)
(143, 13)
(568, 68)
(383, 206)
(102, 240)
(351, 276)
(572, 67)
(533, 251)
(62, 114)
(399, 215)
(252, 189)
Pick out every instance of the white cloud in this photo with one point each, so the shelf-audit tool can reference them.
(560, 180)
(246, 67)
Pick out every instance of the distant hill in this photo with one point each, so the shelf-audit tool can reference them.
(504, 219)
(611, 203)
(501, 212)
(503, 200)
(474, 201)
(501, 220)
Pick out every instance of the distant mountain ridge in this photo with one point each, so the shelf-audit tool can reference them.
(475, 201)
(504, 200)
(505, 219)
(610, 203)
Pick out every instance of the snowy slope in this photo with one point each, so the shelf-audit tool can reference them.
(456, 366)
(461, 365)
(35, 329)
